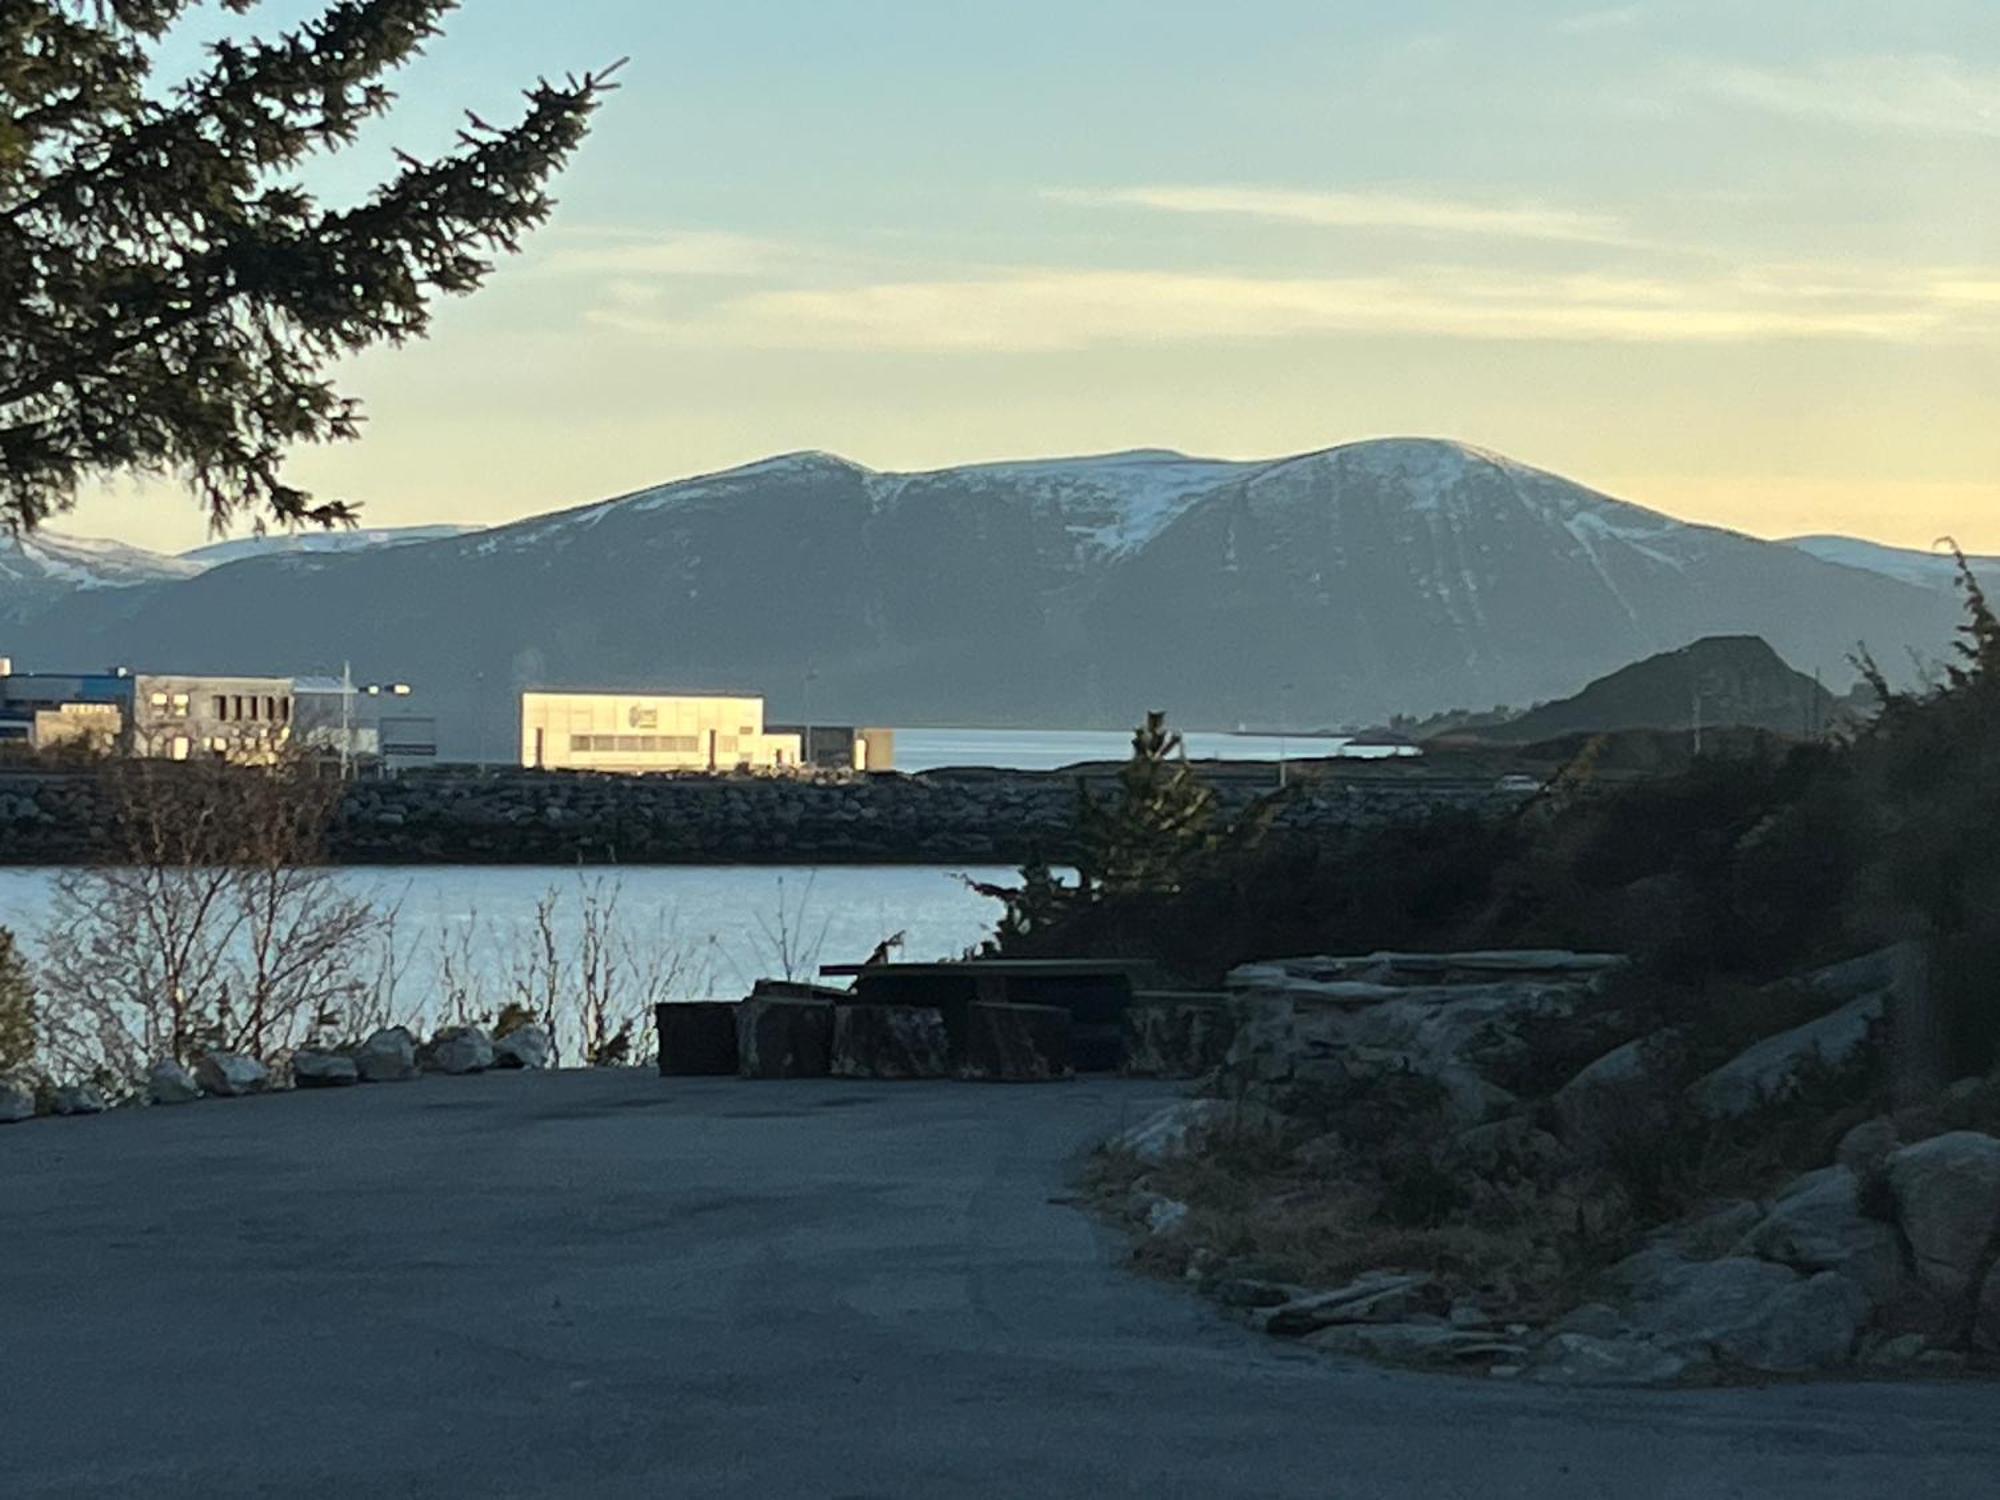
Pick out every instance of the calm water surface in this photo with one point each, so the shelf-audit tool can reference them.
(719, 927)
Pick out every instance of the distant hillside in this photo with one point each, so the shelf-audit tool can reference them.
(1721, 682)
(1399, 575)
(284, 543)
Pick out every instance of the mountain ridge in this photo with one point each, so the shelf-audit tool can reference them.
(1340, 585)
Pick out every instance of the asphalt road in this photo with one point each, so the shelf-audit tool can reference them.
(614, 1284)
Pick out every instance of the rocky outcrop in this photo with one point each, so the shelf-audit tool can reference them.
(1015, 1043)
(457, 1049)
(230, 1075)
(1770, 1070)
(1177, 1036)
(697, 1038)
(387, 1056)
(1320, 1025)
(1753, 1315)
(784, 1038)
(890, 1041)
(528, 1046)
(167, 1082)
(1817, 1225)
(313, 1069)
(1947, 1192)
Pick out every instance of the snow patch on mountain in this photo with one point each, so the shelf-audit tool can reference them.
(80, 562)
(1906, 564)
(236, 549)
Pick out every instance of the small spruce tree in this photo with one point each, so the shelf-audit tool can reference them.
(1143, 837)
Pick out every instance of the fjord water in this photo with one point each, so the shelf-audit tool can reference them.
(718, 927)
(1052, 749)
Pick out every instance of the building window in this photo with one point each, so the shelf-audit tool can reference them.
(222, 708)
(158, 700)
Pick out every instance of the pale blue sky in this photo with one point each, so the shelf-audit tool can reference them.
(1738, 261)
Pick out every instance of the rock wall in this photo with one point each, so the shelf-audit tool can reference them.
(555, 818)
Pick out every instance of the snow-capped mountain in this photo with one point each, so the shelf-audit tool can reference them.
(42, 571)
(1937, 569)
(282, 543)
(1399, 575)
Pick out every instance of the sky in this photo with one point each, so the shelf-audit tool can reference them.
(1737, 262)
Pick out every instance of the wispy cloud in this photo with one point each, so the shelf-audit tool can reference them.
(1919, 95)
(1342, 210)
(1048, 310)
(641, 253)
(1609, 18)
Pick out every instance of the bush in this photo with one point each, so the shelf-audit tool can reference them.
(17, 1008)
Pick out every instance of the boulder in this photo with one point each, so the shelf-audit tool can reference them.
(1514, 1146)
(1947, 1192)
(528, 1046)
(1816, 1225)
(313, 1069)
(779, 1037)
(1623, 1086)
(697, 1038)
(457, 1049)
(230, 1075)
(1015, 1043)
(77, 1099)
(167, 1082)
(1165, 1215)
(17, 1101)
(1753, 1314)
(1769, 1070)
(1865, 1148)
(1174, 1036)
(388, 1056)
(1593, 1359)
(1986, 1316)
(890, 1041)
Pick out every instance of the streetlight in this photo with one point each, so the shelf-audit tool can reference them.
(1284, 719)
(806, 740)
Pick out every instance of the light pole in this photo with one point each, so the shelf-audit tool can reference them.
(806, 739)
(1284, 721)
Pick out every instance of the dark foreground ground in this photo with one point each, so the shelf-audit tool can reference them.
(614, 1284)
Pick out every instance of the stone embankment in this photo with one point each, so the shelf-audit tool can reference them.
(524, 817)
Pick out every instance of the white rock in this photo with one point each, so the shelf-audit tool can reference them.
(229, 1075)
(458, 1049)
(78, 1099)
(388, 1056)
(1947, 1193)
(313, 1069)
(1413, 1343)
(1590, 1359)
(1816, 1225)
(524, 1047)
(17, 1101)
(1376, 1297)
(167, 1082)
(1769, 1070)
(1165, 1215)
(1178, 1130)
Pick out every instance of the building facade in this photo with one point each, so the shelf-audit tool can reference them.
(154, 715)
(638, 732)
